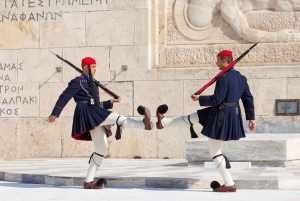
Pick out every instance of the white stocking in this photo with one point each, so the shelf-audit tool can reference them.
(182, 121)
(99, 139)
(215, 148)
(123, 121)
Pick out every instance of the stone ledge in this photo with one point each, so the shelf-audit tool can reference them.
(140, 182)
(279, 150)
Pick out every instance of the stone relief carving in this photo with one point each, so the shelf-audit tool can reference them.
(201, 19)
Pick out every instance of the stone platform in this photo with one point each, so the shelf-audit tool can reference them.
(145, 173)
(277, 150)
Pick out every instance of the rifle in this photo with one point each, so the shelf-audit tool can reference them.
(225, 69)
(94, 80)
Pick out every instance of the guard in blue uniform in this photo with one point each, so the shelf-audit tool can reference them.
(92, 119)
(221, 119)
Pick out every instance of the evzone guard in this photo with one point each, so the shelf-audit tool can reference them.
(92, 119)
(221, 119)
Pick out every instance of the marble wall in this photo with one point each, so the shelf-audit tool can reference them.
(169, 55)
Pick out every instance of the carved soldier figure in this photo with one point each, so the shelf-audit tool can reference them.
(200, 14)
(92, 118)
(221, 119)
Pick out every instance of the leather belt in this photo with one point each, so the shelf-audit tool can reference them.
(79, 102)
(221, 107)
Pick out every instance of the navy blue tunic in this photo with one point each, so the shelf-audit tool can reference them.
(230, 87)
(85, 117)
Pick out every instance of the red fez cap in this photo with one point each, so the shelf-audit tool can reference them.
(88, 61)
(225, 53)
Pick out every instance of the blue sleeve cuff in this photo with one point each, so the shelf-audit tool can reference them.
(56, 111)
(203, 101)
(106, 104)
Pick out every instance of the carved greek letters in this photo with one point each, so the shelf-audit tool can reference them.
(13, 96)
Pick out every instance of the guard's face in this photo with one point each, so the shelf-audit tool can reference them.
(93, 69)
(221, 63)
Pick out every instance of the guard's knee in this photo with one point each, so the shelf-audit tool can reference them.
(228, 166)
(96, 158)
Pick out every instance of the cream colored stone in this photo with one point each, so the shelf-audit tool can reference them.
(141, 27)
(110, 28)
(21, 34)
(9, 66)
(293, 88)
(183, 74)
(134, 143)
(190, 87)
(128, 4)
(172, 141)
(70, 146)
(39, 65)
(36, 137)
(49, 94)
(68, 31)
(154, 93)
(19, 100)
(136, 58)
(271, 72)
(75, 55)
(123, 90)
(8, 139)
(265, 91)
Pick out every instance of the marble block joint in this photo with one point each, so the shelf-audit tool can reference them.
(277, 150)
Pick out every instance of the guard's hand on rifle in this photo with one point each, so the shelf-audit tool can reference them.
(115, 100)
(195, 97)
(252, 125)
(51, 118)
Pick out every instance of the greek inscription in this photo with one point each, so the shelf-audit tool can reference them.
(32, 16)
(9, 111)
(20, 66)
(4, 78)
(14, 3)
(14, 89)
(47, 3)
(10, 66)
(30, 4)
(19, 100)
(41, 3)
(22, 17)
(14, 17)
(38, 15)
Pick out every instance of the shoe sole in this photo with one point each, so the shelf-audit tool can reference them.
(97, 187)
(228, 191)
(147, 116)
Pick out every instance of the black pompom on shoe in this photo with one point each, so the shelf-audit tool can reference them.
(101, 182)
(215, 185)
(141, 110)
(162, 109)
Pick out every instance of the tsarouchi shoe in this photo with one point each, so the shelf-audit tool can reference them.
(160, 111)
(225, 189)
